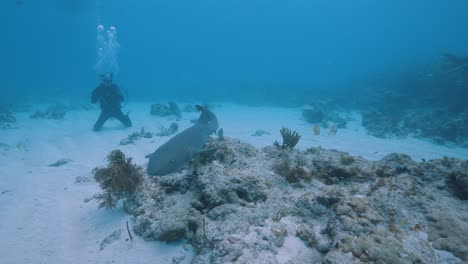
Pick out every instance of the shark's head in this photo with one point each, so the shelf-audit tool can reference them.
(207, 119)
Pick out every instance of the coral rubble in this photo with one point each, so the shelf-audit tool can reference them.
(54, 112)
(7, 119)
(324, 114)
(133, 137)
(166, 110)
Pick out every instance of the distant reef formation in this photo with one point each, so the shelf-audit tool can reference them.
(439, 125)
(54, 112)
(237, 204)
(427, 101)
(172, 109)
(323, 113)
(7, 119)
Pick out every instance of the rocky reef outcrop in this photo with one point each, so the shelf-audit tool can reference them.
(237, 204)
(323, 113)
(54, 112)
(426, 101)
(7, 119)
(438, 125)
(172, 109)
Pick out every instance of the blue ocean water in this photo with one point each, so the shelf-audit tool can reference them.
(220, 50)
(371, 95)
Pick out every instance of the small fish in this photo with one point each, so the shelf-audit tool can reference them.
(316, 130)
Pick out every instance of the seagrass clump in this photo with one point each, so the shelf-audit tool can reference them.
(119, 179)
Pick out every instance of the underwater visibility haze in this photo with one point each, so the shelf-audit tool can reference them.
(196, 49)
(234, 131)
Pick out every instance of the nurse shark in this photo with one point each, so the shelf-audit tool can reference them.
(180, 149)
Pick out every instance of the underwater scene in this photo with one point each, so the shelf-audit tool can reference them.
(234, 131)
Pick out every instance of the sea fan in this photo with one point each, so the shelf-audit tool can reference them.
(118, 180)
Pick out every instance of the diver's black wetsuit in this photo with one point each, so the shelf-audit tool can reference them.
(110, 98)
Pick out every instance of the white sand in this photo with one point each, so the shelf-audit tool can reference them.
(43, 216)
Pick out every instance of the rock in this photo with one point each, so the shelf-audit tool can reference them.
(177, 225)
(260, 132)
(160, 110)
(447, 231)
(313, 116)
(60, 162)
(110, 239)
(439, 125)
(343, 209)
(220, 134)
(165, 111)
(308, 236)
(323, 114)
(5, 191)
(7, 119)
(380, 248)
(84, 179)
(4, 146)
(54, 112)
(358, 204)
(232, 206)
(168, 131)
(133, 137)
(232, 189)
(175, 110)
(459, 181)
(127, 141)
(177, 260)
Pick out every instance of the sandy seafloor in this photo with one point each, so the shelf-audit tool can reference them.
(43, 214)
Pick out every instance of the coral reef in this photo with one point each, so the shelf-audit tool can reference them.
(166, 110)
(54, 112)
(427, 101)
(447, 231)
(118, 180)
(439, 125)
(238, 204)
(133, 137)
(381, 124)
(220, 134)
(260, 132)
(6, 118)
(168, 131)
(323, 113)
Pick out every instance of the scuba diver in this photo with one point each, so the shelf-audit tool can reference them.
(110, 97)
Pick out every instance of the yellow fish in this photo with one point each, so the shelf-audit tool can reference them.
(316, 130)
